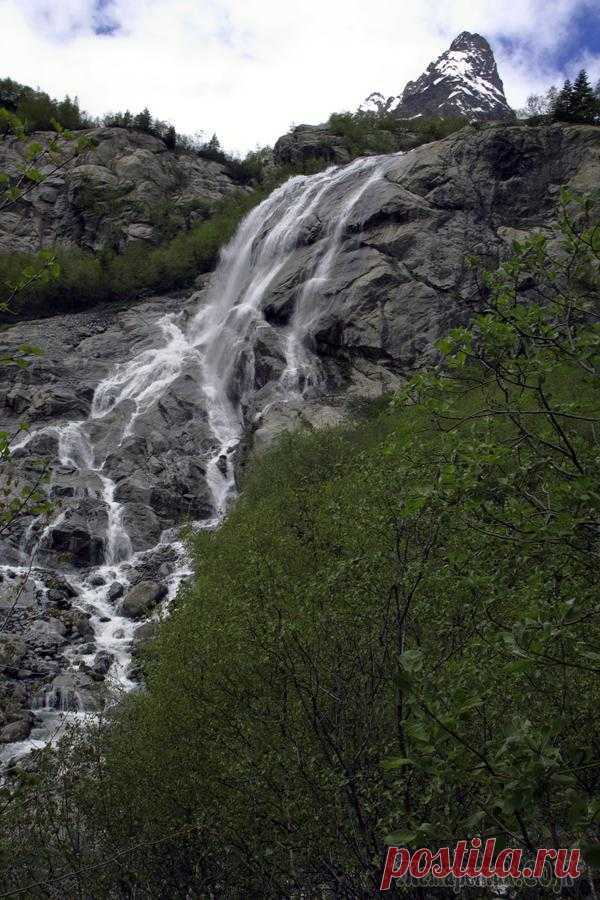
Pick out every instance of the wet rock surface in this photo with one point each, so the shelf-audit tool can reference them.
(157, 469)
(142, 598)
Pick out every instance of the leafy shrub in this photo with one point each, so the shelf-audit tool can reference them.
(382, 132)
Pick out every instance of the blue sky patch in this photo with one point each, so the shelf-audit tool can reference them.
(104, 21)
(582, 37)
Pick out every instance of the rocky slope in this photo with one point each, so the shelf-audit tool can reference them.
(364, 268)
(114, 193)
(463, 81)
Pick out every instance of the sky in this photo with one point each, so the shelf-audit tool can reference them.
(249, 69)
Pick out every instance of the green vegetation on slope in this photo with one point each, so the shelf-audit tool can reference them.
(394, 636)
(37, 110)
(369, 131)
(84, 278)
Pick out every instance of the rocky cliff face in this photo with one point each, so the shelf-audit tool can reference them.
(112, 194)
(463, 81)
(335, 288)
(310, 142)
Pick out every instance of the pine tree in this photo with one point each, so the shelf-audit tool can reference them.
(551, 99)
(212, 150)
(143, 120)
(68, 113)
(584, 104)
(563, 110)
(170, 138)
(10, 94)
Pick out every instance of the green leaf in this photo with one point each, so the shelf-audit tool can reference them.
(401, 838)
(398, 762)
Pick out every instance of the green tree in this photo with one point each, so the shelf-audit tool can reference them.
(577, 102)
(170, 138)
(143, 120)
(37, 111)
(69, 114)
(564, 103)
(10, 91)
(212, 150)
(585, 103)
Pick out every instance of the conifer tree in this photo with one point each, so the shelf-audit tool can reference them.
(170, 138)
(143, 120)
(577, 102)
(584, 103)
(551, 99)
(564, 101)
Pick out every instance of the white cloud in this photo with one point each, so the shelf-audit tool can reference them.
(248, 68)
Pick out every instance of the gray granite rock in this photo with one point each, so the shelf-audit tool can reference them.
(140, 600)
(111, 194)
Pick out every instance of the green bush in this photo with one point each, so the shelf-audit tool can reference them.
(367, 132)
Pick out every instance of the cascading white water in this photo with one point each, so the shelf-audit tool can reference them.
(300, 371)
(219, 340)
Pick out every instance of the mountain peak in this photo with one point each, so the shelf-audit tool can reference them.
(468, 40)
(463, 81)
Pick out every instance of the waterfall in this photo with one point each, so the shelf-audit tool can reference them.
(219, 341)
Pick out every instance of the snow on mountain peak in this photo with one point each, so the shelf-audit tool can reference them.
(463, 81)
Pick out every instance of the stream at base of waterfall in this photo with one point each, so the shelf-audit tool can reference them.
(218, 348)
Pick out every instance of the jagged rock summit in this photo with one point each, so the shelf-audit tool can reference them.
(463, 81)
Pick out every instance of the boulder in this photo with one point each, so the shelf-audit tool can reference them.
(12, 649)
(81, 624)
(103, 662)
(81, 535)
(17, 595)
(71, 692)
(142, 525)
(142, 598)
(16, 731)
(46, 633)
(115, 591)
(309, 142)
